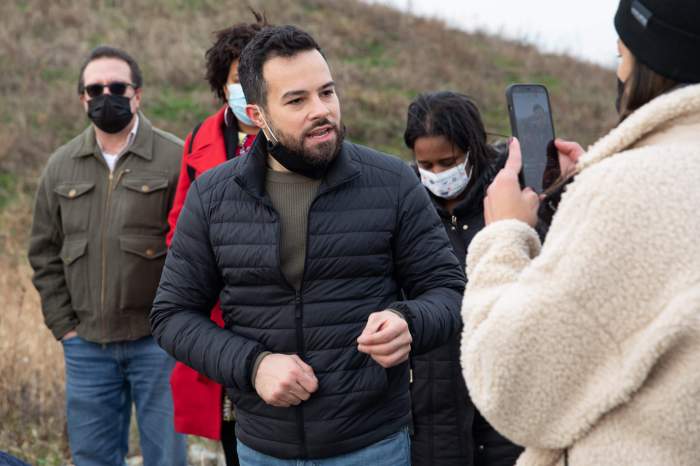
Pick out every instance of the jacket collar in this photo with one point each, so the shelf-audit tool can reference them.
(211, 132)
(142, 145)
(657, 120)
(251, 174)
(209, 146)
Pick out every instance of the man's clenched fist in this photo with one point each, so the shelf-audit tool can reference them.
(386, 338)
(284, 380)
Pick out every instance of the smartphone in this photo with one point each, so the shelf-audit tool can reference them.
(531, 122)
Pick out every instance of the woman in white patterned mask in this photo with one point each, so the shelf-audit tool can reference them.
(445, 132)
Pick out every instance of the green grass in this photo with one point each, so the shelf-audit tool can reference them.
(371, 54)
(54, 75)
(190, 5)
(174, 105)
(8, 188)
(22, 5)
(496, 120)
(397, 90)
(41, 445)
(310, 8)
(96, 39)
(515, 71)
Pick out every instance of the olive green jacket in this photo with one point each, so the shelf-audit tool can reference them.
(98, 238)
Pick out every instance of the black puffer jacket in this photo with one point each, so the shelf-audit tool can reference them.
(371, 232)
(448, 430)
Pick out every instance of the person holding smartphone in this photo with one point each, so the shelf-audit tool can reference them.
(445, 132)
(586, 350)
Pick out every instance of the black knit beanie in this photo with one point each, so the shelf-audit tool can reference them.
(664, 35)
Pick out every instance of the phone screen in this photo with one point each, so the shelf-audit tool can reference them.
(532, 124)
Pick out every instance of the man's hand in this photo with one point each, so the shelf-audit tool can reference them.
(69, 335)
(569, 153)
(386, 338)
(284, 380)
(504, 199)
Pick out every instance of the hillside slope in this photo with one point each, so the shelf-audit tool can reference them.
(381, 59)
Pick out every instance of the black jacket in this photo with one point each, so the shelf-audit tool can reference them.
(448, 430)
(371, 233)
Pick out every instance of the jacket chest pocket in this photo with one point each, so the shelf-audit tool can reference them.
(143, 202)
(75, 199)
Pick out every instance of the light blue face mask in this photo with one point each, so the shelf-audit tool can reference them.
(237, 103)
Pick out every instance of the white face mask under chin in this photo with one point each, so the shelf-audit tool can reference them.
(272, 138)
(448, 184)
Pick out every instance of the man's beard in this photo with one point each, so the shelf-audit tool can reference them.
(321, 154)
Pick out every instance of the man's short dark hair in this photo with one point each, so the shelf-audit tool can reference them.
(105, 51)
(270, 42)
(229, 44)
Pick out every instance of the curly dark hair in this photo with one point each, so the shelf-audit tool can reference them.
(229, 44)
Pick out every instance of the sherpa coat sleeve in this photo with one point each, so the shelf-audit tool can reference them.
(427, 270)
(554, 340)
(189, 287)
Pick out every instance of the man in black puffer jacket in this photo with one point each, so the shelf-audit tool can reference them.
(310, 243)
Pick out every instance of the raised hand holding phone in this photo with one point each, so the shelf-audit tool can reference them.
(569, 153)
(505, 200)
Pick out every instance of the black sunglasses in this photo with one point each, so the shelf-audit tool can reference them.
(115, 88)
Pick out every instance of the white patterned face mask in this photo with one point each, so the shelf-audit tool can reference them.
(448, 184)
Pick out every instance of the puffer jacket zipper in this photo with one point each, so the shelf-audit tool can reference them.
(298, 320)
(299, 304)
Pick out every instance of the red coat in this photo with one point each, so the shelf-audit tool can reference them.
(197, 400)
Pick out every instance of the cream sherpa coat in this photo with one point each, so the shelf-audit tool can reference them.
(592, 344)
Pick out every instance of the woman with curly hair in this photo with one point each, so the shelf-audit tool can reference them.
(201, 406)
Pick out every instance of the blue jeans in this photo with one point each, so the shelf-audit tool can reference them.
(101, 383)
(394, 450)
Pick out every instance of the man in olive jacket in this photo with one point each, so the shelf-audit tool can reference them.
(97, 248)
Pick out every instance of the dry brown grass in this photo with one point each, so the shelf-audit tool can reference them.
(31, 366)
(380, 59)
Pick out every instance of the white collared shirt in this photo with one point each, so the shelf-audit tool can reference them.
(111, 159)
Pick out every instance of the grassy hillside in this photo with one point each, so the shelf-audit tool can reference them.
(381, 59)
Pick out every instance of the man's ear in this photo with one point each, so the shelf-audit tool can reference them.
(253, 112)
(83, 101)
(136, 100)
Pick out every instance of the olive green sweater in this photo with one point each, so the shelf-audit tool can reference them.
(292, 195)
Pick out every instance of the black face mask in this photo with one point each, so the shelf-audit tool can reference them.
(620, 93)
(295, 161)
(110, 113)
